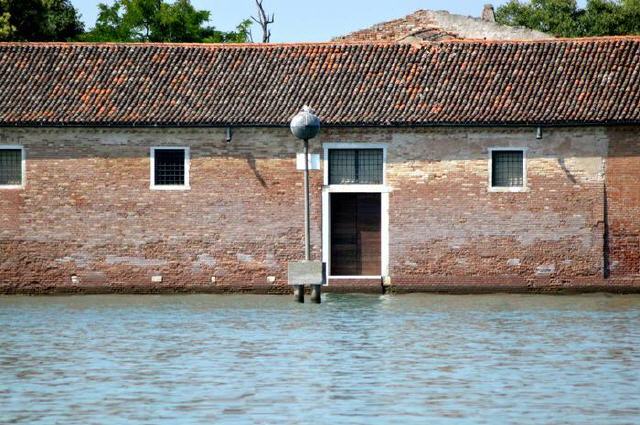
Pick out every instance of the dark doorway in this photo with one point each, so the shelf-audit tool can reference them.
(355, 234)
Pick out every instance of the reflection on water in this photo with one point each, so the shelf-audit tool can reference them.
(354, 359)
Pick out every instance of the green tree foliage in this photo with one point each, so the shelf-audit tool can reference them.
(39, 20)
(6, 29)
(565, 19)
(159, 21)
(558, 17)
(242, 34)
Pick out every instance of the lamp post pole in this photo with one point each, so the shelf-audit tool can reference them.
(307, 219)
(304, 126)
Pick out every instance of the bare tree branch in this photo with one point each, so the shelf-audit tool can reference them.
(264, 20)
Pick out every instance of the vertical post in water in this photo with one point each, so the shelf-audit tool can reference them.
(316, 294)
(315, 289)
(307, 229)
(298, 290)
(298, 293)
(305, 125)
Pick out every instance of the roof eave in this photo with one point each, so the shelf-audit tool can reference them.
(33, 124)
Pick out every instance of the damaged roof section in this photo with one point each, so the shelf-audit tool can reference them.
(440, 25)
(553, 82)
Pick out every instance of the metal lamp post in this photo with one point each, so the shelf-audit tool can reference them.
(305, 125)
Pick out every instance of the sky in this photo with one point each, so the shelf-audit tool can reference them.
(297, 20)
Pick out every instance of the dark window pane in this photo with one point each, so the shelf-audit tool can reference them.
(342, 166)
(10, 167)
(169, 167)
(370, 166)
(355, 166)
(507, 169)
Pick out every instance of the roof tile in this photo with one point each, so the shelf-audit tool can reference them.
(442, 83)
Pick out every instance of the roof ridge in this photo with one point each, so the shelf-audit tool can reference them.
(318, 44)
(556, 40)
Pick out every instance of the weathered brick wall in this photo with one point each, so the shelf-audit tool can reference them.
(447, 226)
(623, 201)
(88, 211)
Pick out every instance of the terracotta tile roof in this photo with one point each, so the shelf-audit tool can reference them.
(439, 25)
(557, 82)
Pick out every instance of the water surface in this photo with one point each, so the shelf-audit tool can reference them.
(355, 359)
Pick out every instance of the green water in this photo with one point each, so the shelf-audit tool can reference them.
(204, 359)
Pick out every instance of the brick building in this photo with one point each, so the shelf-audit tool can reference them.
(450, 166)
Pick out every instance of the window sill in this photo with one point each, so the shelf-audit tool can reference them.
(508, 189)
(354, 277)
(174, 188)
(11, 187)
(348, 188)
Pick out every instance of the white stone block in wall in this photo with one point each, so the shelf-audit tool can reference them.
(314, 161)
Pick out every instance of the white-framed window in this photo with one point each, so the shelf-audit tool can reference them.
(170, 168)
(355, 166)
(12, 167)
(508, 169)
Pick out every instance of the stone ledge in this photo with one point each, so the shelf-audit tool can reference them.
(629, 285)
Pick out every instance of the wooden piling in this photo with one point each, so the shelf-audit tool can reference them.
(316, 294)
(298, 293)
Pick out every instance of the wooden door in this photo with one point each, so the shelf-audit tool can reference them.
(355, 234)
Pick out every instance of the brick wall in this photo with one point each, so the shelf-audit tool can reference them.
(449, 227)
(87, 209)
(623, 202)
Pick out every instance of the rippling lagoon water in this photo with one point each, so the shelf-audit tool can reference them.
(354, 359)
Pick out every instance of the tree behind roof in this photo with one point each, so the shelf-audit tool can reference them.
(39, 20)
(564, 18)
(159, 21)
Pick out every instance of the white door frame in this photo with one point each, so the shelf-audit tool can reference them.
(382, 189)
